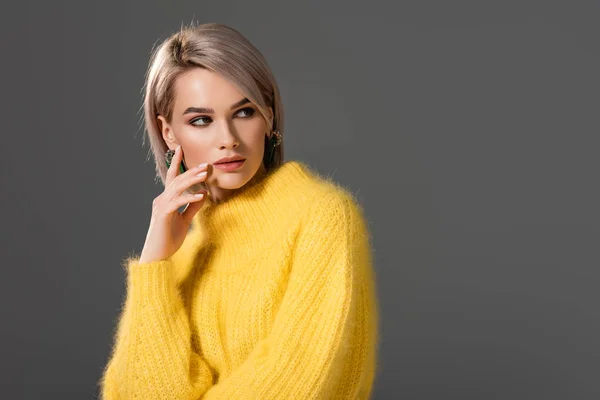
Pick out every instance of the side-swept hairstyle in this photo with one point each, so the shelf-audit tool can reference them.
(220, 49)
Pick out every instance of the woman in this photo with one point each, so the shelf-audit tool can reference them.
(263, 287)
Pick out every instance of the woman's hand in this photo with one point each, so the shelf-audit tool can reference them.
(168, 228)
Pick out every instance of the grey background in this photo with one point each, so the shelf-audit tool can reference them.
(468, 129)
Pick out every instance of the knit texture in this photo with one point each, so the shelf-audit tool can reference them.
(271, 296)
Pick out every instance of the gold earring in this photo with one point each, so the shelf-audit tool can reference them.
(276, 138)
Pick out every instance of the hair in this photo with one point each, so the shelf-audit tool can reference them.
(220, 49)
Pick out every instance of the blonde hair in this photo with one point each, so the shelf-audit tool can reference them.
(220, 49)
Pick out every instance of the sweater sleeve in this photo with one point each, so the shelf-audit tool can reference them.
(152, 357)
(323, 340)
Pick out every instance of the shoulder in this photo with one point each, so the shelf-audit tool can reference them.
(297, 189)
(328, 195)
(333, 236)
(333, 210)
(322, 194)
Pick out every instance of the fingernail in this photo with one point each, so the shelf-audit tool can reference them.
(202, 165)
(178, 147)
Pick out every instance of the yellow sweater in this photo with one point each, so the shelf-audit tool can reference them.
(271, 296)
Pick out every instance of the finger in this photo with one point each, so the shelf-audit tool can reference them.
(194, 206)
(187, 198)
(191, 177)
(173, 170)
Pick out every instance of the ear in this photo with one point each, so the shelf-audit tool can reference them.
(166, 132)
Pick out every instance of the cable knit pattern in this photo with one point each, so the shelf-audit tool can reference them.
(271, 296)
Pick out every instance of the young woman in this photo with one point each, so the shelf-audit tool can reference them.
(263, 286)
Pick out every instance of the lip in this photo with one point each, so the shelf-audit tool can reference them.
(230, 166)
(229, 159)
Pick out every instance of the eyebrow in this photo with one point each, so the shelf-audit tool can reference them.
(207, 110)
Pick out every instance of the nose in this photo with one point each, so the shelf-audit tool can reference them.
(227, 138)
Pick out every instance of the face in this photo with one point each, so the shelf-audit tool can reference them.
(211, 120)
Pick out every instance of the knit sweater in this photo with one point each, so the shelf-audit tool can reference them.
(271, 296)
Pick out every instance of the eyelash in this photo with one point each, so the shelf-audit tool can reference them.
(249, 110)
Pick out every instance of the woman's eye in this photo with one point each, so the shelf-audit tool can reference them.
(248, 110)
(193, 122)
(244, 112)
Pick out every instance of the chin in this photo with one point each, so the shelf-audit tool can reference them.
(231, 180)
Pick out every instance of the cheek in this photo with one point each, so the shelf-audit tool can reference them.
(195, 151)
(255, 132)
(253, 125)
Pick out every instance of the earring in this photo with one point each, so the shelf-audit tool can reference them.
(274, 140)
(169, 157)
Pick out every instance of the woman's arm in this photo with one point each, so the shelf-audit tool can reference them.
(152, 357)
(323, 342)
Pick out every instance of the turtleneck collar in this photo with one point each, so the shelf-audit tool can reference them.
(253, 211)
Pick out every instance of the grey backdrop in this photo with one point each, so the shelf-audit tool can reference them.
(468, 129)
